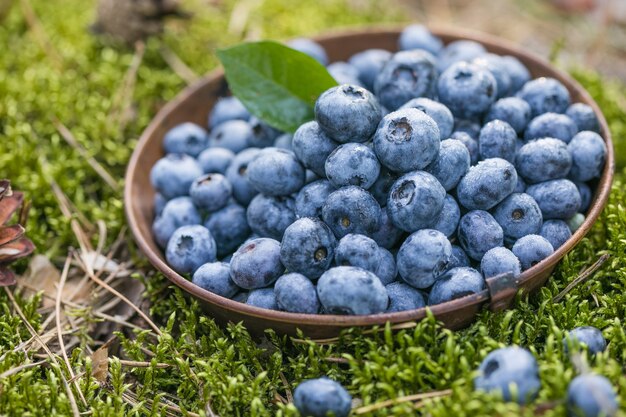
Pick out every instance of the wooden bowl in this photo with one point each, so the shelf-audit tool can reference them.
(194, 104)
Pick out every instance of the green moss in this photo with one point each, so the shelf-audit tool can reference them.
(226, 368)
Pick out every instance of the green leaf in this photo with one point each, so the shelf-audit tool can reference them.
(277, 84)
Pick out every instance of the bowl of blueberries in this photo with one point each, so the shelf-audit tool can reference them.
(445, 172)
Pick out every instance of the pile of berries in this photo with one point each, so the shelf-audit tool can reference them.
(424, 172)
(512, 372)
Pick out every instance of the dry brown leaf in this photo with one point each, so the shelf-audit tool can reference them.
(42, 275)
(100, 364)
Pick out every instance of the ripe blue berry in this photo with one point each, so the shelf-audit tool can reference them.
(451, 164)
(256, 264)
(584, 117)
(518, 215)
(173, 174)
(591, 395)
(532, 249)
(234, 135)
(262, 298)
(557, 232)
(215, 160)
(456, 283)
(276, 172)
(321, 396)
(229, 226)
(512, 110)
(551, 125)
(311, 198)
(497, 139)
(557, 199)
(269, 216)
(211, 192)
(545, 95)
(479, 232)
(296, 293)
(237, 174)
(187, 138)
(357, 250)
(448, 220)
(498, 261)
(589, 336)
(437, 111)
(351, 210)
(423, 257)
(487, 184)
(352, 164)
(588, 154)
(419, 37)
(403, 297)
(215, 277)
(415, 201)
(189, 248)
(467, 90)
(227, 108)
(308, 247)
(351, 290)
(369, 63)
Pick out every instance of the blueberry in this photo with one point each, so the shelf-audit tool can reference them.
(241, 297)
(437, 111)
(344, 73)
(311, 198)
(495, 65)
(470, 143)
(387, 235)
(584, 117)
(556, 232)
(352, 164)
(269, 216)
(215, 160)
(486, 184)
(449, 217)
(457, 51)
(589, 336)
(498, 261)
(276, 172)
(227, 108)
(406, 140)
(456, 283)
(415, 201)
(588, 153)
(545, 95)
(237, 174)
(407, 75)
(403, 297)
(543, 160)
(351, 290)
(189, 248)
(369, 63)
(357, 250)
(215, 277)
(576, 221)
(423, 257)
(513, 371)
(479, 232)
(256, 264)
(521, 185)
(179, 211)
(159, 203)
(173, 174)
(458, 258)
(348, 113)
(518, 215)
(467, 90)
(308, 247)
(187, 138)
(351, 210)
(451, 164)
(419, 37)
(310, 176)
(469, 126)
(262, 298)
(284, 141)
(263, 135)
(311, 48)
(312, 147)
(296, 293)
(387, 269)
(532, 249)
(497, 139)
(585, 196)
(557, 199)
(591, 395)
(551, 125)
(517, 72)
(382, 185)
(320, 397)
(513, 110)
(234, 135)
(229, 227)
(211, 192)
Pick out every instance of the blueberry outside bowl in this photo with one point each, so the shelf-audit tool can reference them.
(193, 104)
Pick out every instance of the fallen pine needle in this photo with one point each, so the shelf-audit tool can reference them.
(399, 400)
(584, 276)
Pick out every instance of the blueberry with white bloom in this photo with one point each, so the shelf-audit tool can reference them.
(256, 264)
(551, 125)
(215, 277)
(518, 215)
(591, 395)
(584, 117)
(173, 174)
(532, 249)
(588, 155)
(296, 293)
(423, 257)
(557, 232)
(467, 90)
(499, 261)
(451, 164)
(312, 147)
(189, 248)
(235, 135)
(415, 201)
(437, 111)
(513, 110)
(403, 297)
(187, 138)
(557, 199)
(352, 291)
(215, 160)
(497, 139)
(276, 172)
(478, 232)
(456, 283)
(321, 396)
(227, 108)
(545, 95)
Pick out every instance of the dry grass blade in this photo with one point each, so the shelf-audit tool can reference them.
(584, 276)
(399, 400)
(40, 34)
(100, 363)
(68, 389)
(286, 386)
(97, 167)
(171, 409)
(136, 364)
(178, 66)
(57, 309)
(123, 96)
(20, 368)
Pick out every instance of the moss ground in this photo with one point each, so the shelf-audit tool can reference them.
(61, 72)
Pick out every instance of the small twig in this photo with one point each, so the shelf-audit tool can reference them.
(136, 364)
(399, 400)
(71, 140)
(178, 65)
(584, 276)
(123, 96)
(20, 368)
(337, 360)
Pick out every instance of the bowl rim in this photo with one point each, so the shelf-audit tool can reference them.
(601, 195)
